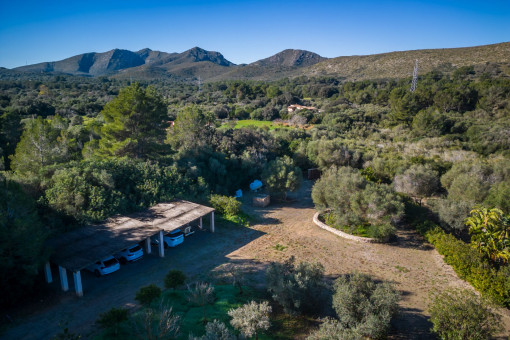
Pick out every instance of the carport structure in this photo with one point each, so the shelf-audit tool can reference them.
(80, 248)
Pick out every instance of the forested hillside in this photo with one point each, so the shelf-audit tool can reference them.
(76, 150)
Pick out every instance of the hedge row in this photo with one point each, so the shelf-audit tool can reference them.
(471, 266)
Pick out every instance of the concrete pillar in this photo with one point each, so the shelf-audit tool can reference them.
(212, 222)
(148, 247)
(47, 272)
(161, 244)
(77, 283)
(63, 278)
(201, 224)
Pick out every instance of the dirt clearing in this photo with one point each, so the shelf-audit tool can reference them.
(413, 266)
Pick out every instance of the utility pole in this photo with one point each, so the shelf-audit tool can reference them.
(415, 77)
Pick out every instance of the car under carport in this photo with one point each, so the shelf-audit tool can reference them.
(77, 249)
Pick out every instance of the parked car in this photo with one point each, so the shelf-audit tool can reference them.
(130, 254)
(105, 266)
(171, 239)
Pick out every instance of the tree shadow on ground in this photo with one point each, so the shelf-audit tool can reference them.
(408, 238)
(410, 323)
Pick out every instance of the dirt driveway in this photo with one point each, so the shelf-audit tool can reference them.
(411, 265)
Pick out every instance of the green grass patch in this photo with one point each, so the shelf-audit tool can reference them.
(257, 123)
(283, 326)
(280, 247)
(402, 269)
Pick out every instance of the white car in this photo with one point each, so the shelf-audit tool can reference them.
(171, 239)
(130, 254)
(107, 265)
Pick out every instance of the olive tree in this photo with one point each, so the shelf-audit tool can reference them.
(364, 305)
(202, 294)
(297, 288)
(251, 318)
(156, 324)
(281, 175)
(417, 181)
(215, 330)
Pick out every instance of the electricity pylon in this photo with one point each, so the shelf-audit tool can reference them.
(415, 76)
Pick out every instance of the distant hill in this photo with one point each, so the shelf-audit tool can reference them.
(284, 64)
(116, 62)
(209, 65)
(400, 64)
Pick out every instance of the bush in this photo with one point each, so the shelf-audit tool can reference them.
(112, 319)
(452, 214)
(472, 267)
(331, 329)
(417, 181)
(461, 314)
(363, 305)
(226, 205)
(299, 289)
(215, 330)
(174, 279)
(353, 200)
(251, 318)
(148, 294)
(382, 233)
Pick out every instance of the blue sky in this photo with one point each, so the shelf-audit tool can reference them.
(244, 31)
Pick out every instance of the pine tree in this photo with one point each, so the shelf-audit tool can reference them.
(136, 122)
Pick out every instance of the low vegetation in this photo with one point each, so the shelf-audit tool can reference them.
(461, 314)
(76, 150)
(299, 289)
(356, 205)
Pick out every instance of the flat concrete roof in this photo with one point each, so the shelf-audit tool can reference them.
(80, 248)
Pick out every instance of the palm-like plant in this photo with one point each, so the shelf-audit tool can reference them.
(491, 233)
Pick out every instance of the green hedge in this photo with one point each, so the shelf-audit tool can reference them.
(226, 205)
(471, 266)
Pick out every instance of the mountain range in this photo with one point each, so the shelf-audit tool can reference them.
(210, 65)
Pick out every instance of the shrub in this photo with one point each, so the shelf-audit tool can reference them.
(112, 319)
(362, 304)
(174, 279)
(251, 318)
(201, 294)
(382, 233)
(472, 267)
(215, 330)
(353, 200)
(331, 329)
(299, 289)
(452, 214)
(417, 181)
(226, 205)
(148, 294)
(157, 323)
(461, 314)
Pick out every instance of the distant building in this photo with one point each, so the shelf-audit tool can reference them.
(296, 107)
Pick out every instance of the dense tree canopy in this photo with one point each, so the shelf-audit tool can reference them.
(135, 123)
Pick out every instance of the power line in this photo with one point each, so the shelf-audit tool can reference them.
(415, 77)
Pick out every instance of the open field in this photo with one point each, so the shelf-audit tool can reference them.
(259, 123)
(414, 267)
